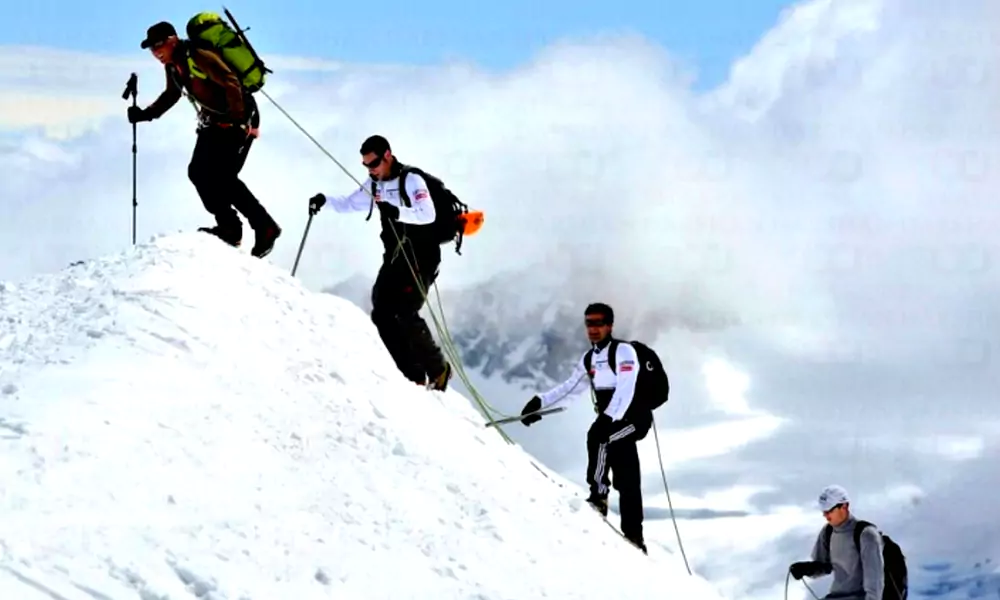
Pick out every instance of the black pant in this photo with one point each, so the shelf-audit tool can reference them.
(396, 302)
(614, 449)
(218, 158)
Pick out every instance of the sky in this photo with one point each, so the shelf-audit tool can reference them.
(496, 35)
(820, 223)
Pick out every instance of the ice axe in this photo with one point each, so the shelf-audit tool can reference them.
(544, 411)
(132, 89)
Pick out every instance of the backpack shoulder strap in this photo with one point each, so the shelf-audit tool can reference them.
(371, 207)
(858, 528)
(403, 196)
(827, 534)
(612, 349)
(587, 360)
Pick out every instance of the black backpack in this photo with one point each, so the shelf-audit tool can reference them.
(652, 386)
(448, 209)
(896, 577)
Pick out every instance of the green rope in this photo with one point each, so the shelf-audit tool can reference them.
(447, 343)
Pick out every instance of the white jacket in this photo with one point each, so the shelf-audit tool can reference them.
(420, 211)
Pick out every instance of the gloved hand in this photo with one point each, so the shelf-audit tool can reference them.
(533, 405)
(602, 426)
(809, 569)
(316, 203)
(389, 210)
(136, 114)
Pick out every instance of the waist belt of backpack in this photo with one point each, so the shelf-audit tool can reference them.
(208, 118)
(250, 124)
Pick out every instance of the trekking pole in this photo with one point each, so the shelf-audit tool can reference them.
(302, 244)
(315, 203)
(132, 89)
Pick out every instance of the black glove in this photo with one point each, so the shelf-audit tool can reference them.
(533, 405)
(316, 203)
(136, 114)
(389, 210)
(601, 429)
(810, 569)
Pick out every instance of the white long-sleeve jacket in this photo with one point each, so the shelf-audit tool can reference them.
(421, 209)
(614, 389)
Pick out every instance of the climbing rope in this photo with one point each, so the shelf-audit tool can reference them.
(447, 343)
(666, 488)
(814, 594)
(788, 579)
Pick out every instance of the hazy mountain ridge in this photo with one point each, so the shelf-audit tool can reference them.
(529, 333)
(499, 331)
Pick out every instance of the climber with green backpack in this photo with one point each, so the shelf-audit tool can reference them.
(218, 70)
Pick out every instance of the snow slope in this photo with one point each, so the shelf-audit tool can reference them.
(185, 421)
(743, 545)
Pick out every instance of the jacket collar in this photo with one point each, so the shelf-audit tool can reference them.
(601, 345)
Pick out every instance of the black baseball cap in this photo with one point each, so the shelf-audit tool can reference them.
(158, 33)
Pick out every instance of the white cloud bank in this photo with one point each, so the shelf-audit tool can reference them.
(836, 197)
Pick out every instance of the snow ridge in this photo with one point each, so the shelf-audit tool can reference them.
(183, 420)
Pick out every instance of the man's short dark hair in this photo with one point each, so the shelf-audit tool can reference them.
(375, 144)
(600, 308)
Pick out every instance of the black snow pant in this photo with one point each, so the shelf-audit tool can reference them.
(614, 449)
(396, 303)
(218, 157)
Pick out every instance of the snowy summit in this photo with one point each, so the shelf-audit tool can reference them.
(184, 420)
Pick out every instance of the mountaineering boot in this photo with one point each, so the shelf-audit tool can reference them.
(599, 503)
(264, 239)
(416, 375)
(440, 383)
(638, 544)
(233, 238)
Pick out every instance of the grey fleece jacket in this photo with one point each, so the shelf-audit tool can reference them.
(855, 577)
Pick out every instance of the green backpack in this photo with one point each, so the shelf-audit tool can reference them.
(209, 31)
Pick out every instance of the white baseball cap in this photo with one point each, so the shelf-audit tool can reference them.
(831, 496)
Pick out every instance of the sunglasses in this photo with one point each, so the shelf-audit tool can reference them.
(595, 322)
(373, 164)
(826, 512)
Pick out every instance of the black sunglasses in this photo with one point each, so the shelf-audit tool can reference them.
(374, 163)
(833, 508)
(595, 322)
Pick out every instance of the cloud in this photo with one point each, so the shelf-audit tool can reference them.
(824, 222)
(959, 503)
(727, 387)
(65, 93)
